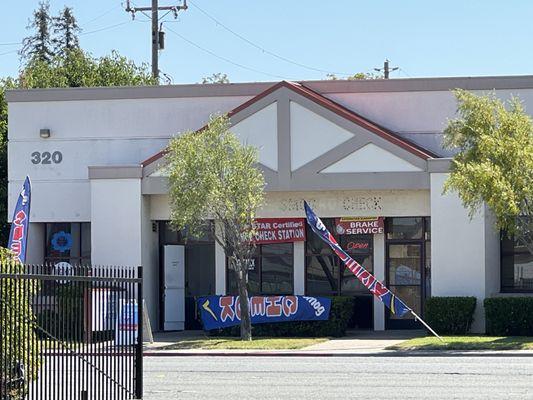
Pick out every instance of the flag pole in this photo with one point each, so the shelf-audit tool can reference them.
(427, 326)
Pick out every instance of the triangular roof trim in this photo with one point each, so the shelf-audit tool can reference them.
(333, 107)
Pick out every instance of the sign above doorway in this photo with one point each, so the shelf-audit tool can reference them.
(359, 225)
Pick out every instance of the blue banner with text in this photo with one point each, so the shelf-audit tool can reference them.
(224, 311)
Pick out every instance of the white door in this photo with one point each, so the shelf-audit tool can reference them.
(174, 287)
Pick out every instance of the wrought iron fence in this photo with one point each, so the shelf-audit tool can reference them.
(70, 332)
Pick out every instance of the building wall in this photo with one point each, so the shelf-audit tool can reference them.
(464, 251)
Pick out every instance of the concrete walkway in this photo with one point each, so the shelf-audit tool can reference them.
(355, 342)
(371, 341)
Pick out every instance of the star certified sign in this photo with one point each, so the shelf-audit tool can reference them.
(279, 230)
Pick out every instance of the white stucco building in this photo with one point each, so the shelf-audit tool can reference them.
(350, 148)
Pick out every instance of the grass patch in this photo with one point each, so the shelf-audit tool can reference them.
(467, 343)
(224, 343)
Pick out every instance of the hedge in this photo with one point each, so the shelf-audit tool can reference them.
(16, 323)
(450, 315)
(509, 316)
(342, 311)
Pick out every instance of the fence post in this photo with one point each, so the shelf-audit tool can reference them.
(139, 344)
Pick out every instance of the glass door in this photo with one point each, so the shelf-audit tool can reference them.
(408, 266)
(405, 277)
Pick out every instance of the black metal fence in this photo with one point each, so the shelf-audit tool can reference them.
(70, 332)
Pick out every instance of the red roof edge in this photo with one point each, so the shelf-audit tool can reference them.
(330, 105)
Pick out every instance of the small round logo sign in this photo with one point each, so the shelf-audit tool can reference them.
(62, 241)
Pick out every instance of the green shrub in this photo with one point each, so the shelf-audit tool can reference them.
(509, 316)
(342, 310)
(450, 315)
(17, 334)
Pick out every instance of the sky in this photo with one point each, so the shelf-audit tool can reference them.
(301, 40)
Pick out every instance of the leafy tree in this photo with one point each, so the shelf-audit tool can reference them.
(212, 175)
(76, 68)
(216, 78)
(66, 30)
(17, 325)
(39, 45)
(4, 225)
(494, 162)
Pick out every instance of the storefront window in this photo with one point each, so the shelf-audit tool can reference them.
(326, 274)
(68, 242)
(410, 228)
(270, 271)
(516, 265)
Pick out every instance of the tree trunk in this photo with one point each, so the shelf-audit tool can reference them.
(246, 323)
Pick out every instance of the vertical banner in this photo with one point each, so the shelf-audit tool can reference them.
(377, 288)
(18, 237)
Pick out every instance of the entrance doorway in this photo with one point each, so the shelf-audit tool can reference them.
(199, 273)
(408, 266)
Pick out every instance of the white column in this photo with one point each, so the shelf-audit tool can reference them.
(35, 247)
(220, 269)
(379, 273)
(299, 268)
(116, 214)
(458, 259)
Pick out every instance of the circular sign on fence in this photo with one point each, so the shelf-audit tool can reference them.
(63, 268)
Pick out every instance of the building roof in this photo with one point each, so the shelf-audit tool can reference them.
(331, 105)
(254, 88)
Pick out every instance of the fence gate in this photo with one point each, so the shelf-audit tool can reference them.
(70, 332)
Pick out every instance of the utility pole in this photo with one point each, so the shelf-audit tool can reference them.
(386, 69)
(157, 33)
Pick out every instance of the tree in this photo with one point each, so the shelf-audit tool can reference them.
(216, 78)
(76, 68)
(17, 325)
(212, 175)
(4, 225)
(66, 30)
(494, 162)
(39, 45)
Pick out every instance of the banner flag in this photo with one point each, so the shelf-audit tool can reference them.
(224, 311)
(18, 237)
(378, 289)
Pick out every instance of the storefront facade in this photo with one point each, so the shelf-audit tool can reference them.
(365, 155)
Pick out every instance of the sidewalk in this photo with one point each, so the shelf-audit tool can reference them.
(355, 342)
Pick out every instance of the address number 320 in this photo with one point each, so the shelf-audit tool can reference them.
(46, 157)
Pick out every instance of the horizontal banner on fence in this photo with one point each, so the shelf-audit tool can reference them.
(224, 311)
(279, 230)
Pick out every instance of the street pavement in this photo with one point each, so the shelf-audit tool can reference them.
(340, 377)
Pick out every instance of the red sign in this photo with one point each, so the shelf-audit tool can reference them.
(279, 230)
(358, 225)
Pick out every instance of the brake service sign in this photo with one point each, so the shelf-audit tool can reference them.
(279, 230)
(359, 225)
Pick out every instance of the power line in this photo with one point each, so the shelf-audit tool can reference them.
(105, 28)
(9, 52)
(263, 49)
(224, 58)
(102, 15)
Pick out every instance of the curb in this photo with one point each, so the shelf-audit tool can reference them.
(385, 353)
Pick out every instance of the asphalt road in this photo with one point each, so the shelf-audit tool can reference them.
(338, 378)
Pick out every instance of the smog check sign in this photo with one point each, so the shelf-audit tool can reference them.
(279, 230)
(359, 225)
